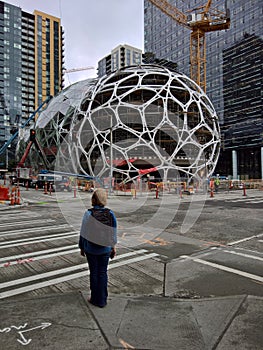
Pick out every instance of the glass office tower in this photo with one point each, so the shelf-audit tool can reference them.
(167, 39)
(31, 57)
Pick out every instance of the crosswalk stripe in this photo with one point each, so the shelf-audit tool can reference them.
(66, 278)
(18, 223)
(34, 229)
(60, 271)
(33, 240)
(57, 252)
(242, 254)
(244, 239)
(225, 268)
(39, 252)
(245, 199)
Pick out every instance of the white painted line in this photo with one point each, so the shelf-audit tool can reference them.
(42, 275)
(33, 229)
(70, 277)
(17, 223)
(60, 271)
(42, 254)
(30, 260)
(246, 199)
(27, 241)
(225, 268)
(243, 255)
(20, 256)
(245, 239)
(8, 216)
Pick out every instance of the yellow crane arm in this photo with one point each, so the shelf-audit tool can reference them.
(170, 11)
(207, 6)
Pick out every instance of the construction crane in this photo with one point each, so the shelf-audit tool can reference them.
(200, 20)
(77, 69)
(26, 123)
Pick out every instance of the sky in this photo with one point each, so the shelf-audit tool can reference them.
(91, 29)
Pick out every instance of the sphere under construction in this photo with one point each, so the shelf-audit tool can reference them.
(138, 120)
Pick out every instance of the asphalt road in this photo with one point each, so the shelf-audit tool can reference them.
(189, 247)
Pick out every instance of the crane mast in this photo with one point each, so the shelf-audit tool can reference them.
(199, 20)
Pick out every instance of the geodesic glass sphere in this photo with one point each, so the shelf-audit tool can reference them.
(138, 120)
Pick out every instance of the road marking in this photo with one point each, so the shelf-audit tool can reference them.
(51, 255)
(73, 276)
(20, 256)
(243, 254)
(27, 241)
(246, 199)
(26, 222)
(245, 239)
(33, 229)
(225, 268)
(61, 271)
(8, 216)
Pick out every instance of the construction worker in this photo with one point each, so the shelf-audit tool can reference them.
(217, 183)
(212, 184)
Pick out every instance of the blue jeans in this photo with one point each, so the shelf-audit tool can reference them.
(98, 266)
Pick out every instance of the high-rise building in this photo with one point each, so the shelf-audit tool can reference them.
(235, 98)
(31, 57)
(120, 57)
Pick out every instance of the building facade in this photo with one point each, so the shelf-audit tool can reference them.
(31, 56)
(169, 40)
(120, 57)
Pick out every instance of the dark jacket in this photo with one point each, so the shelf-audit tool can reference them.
(92, 248)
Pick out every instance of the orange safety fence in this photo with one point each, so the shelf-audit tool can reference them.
(4, 193)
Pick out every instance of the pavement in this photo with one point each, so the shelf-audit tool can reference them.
(68, 321)
(142, 322)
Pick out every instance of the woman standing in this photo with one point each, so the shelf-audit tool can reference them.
(98, 237)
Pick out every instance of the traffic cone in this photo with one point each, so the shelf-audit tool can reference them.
(181, 193)
(12, 196)
(17, 200)
(244, 189)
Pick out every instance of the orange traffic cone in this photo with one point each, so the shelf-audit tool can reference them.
(17, 199)
(12, 196)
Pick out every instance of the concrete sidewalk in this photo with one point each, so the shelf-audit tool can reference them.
(68, 321)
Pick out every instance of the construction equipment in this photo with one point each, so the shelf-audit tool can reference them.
(77, 69)
(200, 20)
(31, 117)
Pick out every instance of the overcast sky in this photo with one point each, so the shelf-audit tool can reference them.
(92, 28)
